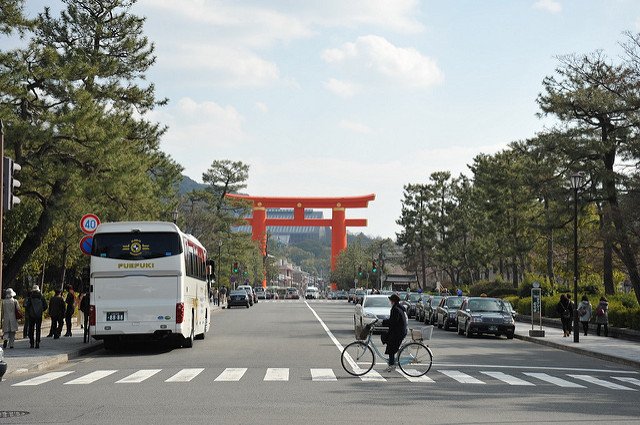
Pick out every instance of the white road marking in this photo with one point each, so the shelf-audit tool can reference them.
(277, 374)
(633, 381)
(138, 376)
(185, 375)
(553, 380)
(231, 374)
(490, 366)
(42, 379)
(602, 382)
(461, 377)
(372, 376)
(511, 380)
(323, 375)
(423, 378)
(91, 377)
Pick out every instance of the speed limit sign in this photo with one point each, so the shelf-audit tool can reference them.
(89, 223)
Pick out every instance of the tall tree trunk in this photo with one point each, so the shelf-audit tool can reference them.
(607, 252)
(514, 267)
(550, 272)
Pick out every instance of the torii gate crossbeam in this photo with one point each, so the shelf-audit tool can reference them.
(338, 221)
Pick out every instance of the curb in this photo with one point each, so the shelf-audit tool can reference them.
(54, 360)
(601, 356)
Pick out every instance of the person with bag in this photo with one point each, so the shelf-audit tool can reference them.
(564, 308)
(56, 312)
(35, 307)
(584, 313)
(397, 324)
(602, 316)
(11, 313)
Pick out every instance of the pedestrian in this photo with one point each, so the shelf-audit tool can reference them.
(80, 316)
(35, 307)
(70, 300)
(584, 313)
(214, 296)
(85, 308)
(10, 314)
(56, 312)
(459, 292)
(565, 311)
(397, 324)
(602, 316)
(222, 295)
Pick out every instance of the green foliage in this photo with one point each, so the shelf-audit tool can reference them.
(524, 289)
(495, 288)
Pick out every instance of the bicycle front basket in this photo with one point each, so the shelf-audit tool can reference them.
(362, 332)
(426, 332)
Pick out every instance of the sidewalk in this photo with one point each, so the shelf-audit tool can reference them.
(611, 349)
(52, 352)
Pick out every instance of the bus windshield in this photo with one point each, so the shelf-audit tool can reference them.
(136, 246)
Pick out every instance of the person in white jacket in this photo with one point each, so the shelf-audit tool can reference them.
(9, 320)
(584, 313)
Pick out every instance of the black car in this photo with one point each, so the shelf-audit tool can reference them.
(409, 302)
(485, 315)
(341, 295)
(430, 309)
(446, 311)
(420, 307)
(238, 297)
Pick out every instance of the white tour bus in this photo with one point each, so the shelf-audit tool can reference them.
(148, 281)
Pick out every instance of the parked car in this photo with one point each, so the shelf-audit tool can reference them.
(485, 315)
(3, 365)
(409, 303)
(292, 294)
(312, 293)
(351, 295)
(373, 307)
(342, 295)
(252, 295)
(421, 306)
(238, 297)
(359, 296)
(430, 309)
(446, 311)
(510, 309)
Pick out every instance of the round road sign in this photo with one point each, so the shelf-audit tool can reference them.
(89, 223)
(85, 244)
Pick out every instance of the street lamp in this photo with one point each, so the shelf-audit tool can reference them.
(576, 182)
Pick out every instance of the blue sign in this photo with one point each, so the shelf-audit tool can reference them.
(85, 244)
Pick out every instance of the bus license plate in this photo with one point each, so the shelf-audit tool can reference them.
(115, 316)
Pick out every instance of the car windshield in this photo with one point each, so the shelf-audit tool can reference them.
(435, 300)
(376, 302)
(453, 302)
(487, 305)
(414, 297)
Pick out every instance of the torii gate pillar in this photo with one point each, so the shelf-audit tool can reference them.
(338, 222)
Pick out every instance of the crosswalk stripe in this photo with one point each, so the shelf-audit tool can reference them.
(277, 374)
(372, 376)
(42, 379)
(633, 381)
(601, 382)
(423, 378)
(511, 380)
(185, 375)
(91, 377)
(553, 380)
(231, 374)
(461, 377)
(323, 375)
(138, 376)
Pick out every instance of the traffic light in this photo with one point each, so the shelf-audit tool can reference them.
(359, 271)
(235, 267)
(9, 183)
(374, 267)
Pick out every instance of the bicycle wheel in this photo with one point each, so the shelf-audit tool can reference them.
(357, 358)
(415, 359)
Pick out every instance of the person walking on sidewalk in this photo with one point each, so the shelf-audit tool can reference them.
(584, 313)
(56, 312)
(10, 313)
(35, 307)
(565, 311)
(70, 300)
(602, 316)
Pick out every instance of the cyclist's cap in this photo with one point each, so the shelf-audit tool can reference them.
(394, 297)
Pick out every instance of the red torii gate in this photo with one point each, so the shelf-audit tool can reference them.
(338, 222)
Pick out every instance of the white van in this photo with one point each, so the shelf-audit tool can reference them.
(312, 293)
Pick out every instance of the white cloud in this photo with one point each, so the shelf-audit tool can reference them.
(356, 127)
(197, 130)
(343, 89)
(552, 6)
(262, 107)
(402, 65)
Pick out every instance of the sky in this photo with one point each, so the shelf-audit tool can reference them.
(348, 98)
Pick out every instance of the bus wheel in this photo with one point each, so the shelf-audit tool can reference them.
(188, 342)
(109, 343)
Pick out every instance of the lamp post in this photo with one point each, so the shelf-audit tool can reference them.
(576, 182)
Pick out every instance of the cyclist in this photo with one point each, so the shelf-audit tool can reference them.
(397, 324)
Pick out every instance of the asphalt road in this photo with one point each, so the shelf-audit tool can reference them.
(277, 364)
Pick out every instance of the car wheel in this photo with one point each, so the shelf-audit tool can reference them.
(468, 331)
(510, 334)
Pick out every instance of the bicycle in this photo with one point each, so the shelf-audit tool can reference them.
(413, 357)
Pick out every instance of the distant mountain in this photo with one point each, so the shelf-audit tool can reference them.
(187, 185)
